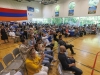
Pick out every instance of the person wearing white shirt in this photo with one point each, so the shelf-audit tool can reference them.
(46, 41)
(13, 36)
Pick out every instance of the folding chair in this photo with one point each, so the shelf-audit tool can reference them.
(17, 54)
(22, 71)
(62, 72)
(8, 58)
(2, 72)
(11, 63)
(1, 67)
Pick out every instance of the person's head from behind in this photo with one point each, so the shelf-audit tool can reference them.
(39, 41)
(11, 30)
(18, 30)
(2, 26)
(54, 32)
(43, 35)
(60, 37)
(23, 41)
(31, 36)
(34, 28)
(31, 54)
(62, 49)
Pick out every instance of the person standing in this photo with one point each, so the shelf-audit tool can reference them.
(4, 35)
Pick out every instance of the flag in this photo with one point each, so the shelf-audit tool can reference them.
(7, 14)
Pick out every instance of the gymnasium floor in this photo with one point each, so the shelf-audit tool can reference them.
(86, 48)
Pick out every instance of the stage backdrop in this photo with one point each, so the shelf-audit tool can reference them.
(7, 14)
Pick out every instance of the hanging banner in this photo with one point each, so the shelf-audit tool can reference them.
(31, 9)
(57, 8)
(71, 13)
(7, 14)
(92, 10)
(56, 14)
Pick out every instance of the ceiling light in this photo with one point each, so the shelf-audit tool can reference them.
(19, 0)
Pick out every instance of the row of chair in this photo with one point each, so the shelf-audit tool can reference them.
(12, 62)
(16, 63)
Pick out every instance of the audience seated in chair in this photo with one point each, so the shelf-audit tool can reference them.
(76, 34)
(61, 42)
(45, 40)
(13, 36)
(67, 32)
(31, 41)
(68, 63)
(33, 64)
(40, 47)
(24, 48)
(55, 36)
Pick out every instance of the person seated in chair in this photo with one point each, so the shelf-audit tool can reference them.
(13, 36)
(41, 47)
(33, 64)
(24, 48)
(45, 40)
(61, 42)
(76, 34)
(84, 31)
(31, 41)
(68, 63)
(55, 36)
(67, 32)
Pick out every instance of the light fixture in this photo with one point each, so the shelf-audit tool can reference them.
(46, 2)
(19, 0)
(29, 0)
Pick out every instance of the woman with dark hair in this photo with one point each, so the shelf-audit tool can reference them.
(4, 34)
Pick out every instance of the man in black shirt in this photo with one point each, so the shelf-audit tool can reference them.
(61, 42)
(68, 63)
(55, 36)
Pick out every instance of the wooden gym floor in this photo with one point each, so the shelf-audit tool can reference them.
(85, 47)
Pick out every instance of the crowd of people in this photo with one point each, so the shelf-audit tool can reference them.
(18, 31)
(37, 46)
